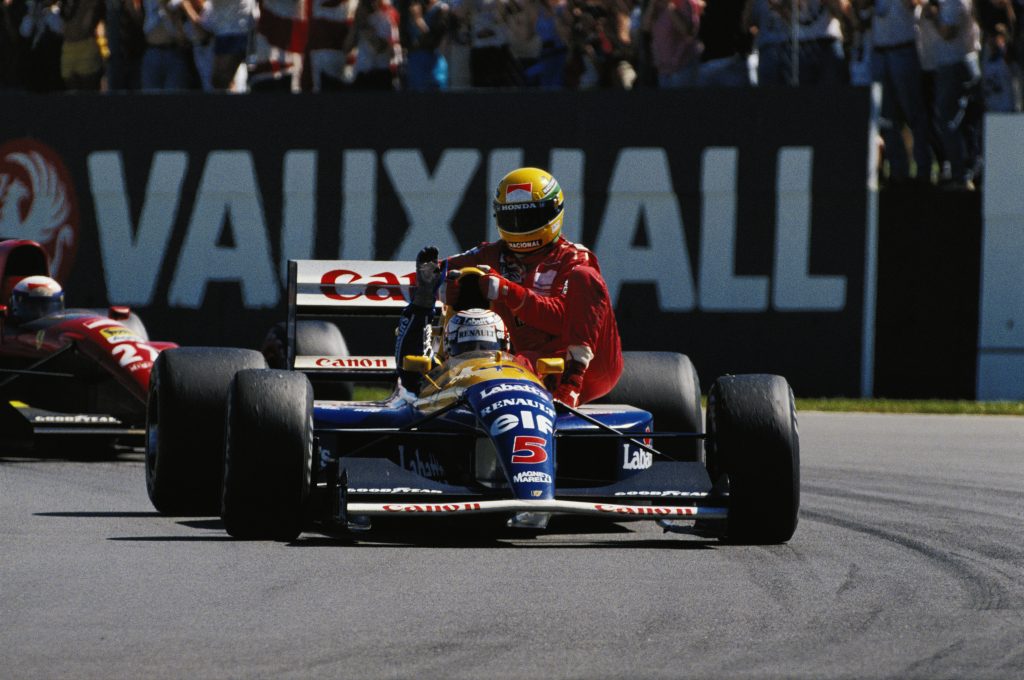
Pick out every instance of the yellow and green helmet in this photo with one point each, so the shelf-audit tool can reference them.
(528, 208)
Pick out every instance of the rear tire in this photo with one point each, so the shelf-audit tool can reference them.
(312, 337)
(665, 384)
(753, 439)
(268, 458)
(185, 426)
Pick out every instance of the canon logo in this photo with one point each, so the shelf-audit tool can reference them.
(351, 362)
(452, 507)
(644, 510)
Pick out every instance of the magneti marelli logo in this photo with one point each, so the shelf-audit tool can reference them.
(38, 202)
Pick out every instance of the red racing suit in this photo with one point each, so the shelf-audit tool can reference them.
(566, 305)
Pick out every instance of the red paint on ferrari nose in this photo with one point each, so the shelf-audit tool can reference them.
(119, 349)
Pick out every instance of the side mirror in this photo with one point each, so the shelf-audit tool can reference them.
(546, 367)
(119, 312)
(416, 364)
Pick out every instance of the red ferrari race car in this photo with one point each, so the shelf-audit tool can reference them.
(67, 372)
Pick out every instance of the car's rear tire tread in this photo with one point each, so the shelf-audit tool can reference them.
(665, 384)
(185, 426)
(313, 337)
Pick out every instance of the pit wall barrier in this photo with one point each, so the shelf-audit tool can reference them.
(736, 226)
(1001, 324)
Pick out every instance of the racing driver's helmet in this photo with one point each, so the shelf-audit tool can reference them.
(528, 209)
(35, 297)
(474, 330)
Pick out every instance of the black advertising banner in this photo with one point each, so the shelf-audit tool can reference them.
(730, 225)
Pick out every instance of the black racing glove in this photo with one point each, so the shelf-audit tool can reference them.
(427, 277)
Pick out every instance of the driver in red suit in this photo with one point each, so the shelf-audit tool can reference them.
(548, 290)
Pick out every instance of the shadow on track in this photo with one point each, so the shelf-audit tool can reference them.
(92, 514)
(72, 454)
(564, 532)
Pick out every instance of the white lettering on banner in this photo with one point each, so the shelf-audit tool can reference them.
(133, 255)
(641, 185)
(228, 194)
(430, 202)
(299, 209)
(359, 205)
(640, 191)
(795, 288)
(720, 289)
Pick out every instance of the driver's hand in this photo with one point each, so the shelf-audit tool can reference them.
(427, 274)
(426, 266)
(494, 286)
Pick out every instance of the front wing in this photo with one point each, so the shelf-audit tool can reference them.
(665, 491)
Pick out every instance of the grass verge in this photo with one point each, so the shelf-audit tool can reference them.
(964, 407)
(992, 408)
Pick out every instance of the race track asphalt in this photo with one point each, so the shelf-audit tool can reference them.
(908, 563)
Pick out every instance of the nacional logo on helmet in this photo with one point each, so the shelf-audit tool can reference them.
(38, 202)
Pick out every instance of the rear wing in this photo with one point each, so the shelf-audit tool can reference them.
(326, 289)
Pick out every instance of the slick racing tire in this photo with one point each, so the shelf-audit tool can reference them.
(753, 440)
(665, 384)
(188, 391)
(268, 457)
(311, 337)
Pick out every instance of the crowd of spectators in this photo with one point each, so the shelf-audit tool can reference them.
(940, 62)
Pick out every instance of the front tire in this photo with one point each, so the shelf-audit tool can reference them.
(185, 426)
(268, 458)
(753, 439)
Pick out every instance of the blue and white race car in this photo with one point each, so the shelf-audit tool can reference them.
(277, 455)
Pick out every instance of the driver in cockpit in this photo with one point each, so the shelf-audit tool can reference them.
(35, 297)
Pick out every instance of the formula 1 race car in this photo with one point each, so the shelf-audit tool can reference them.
(81, 373)
(482, 437)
